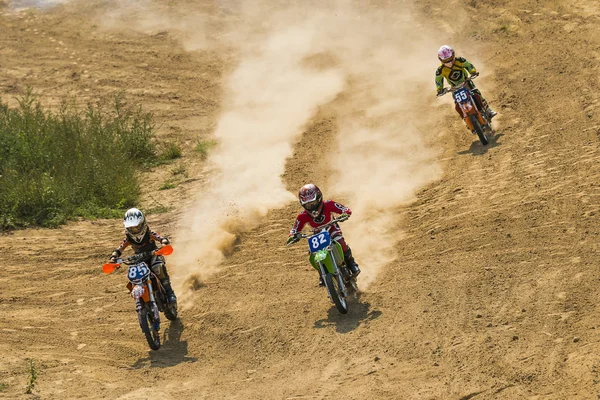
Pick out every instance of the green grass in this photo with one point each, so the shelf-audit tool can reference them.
(172, 152)
(57, 166)
(158, 209)
(204, 146)
(3, 387)
(31, 380)
(167, 185)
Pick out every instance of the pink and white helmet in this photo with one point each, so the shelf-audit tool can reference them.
(446, 55)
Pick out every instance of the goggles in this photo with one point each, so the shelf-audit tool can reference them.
(448, 63)
(312, 205)
(135, 230)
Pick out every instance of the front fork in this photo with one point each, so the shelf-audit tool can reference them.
(138, 306)
(469, 109)
(337, 275)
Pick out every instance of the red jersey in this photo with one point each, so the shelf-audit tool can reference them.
(329, 208)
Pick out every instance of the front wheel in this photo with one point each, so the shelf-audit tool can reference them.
(148, 326)
(336, 293)
(478, 129)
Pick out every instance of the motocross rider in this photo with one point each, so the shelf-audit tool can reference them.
(318, 212)
(455, 70)
(141, 239)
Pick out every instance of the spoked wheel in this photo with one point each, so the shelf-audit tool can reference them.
(479, 129)
(336, 293)
(148, 326)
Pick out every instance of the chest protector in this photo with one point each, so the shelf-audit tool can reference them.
(144, 245)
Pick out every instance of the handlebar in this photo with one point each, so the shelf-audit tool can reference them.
(459, 86)
(319, 228)
(113, 266)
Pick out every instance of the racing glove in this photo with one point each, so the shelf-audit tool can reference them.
(165, 241)
(344, 216)
(292, 239)
(440, 92)
(115, 254)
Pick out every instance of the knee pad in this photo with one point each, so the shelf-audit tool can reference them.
(158, 267)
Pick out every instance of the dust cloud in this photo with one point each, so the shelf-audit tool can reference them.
(377, 72)
(386, 137)
(269, 98)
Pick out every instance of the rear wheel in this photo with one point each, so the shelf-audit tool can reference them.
(478, 129)
(335, 291)
(147, 324)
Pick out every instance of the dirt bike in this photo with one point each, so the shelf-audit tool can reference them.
(477, 120)
(327, 257)
(149, 295)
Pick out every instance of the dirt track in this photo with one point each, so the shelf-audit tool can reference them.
(494, 292)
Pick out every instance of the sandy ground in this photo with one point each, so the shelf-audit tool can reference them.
(493, 292)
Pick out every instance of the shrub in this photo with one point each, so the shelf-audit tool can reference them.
(172, 152)
(57, 166)
(167, 185)
(32, 378)
(204, 146)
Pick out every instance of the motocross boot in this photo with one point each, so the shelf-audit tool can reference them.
(351, 263)
(169, 290)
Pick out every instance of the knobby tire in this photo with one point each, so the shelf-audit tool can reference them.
(335, 292)
(478, 129)
(147, 325)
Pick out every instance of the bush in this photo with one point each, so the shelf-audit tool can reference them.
(57, 166)
(167, 185)
(172, 152)
(203, 146)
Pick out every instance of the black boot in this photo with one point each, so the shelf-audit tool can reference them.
(169, 290)
(350, 263)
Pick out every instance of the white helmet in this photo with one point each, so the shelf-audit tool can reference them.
(446, 55)
(135, 224)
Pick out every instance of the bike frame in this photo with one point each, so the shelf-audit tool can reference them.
(329, 258)
(324, 261)
(469, 107)
(467, 104)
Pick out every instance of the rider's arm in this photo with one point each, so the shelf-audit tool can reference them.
(337, 208)
(439, 79)
(467, 65)
(157, 237)
(122, 246)
(298, 225)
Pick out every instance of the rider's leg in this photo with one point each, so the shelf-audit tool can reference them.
(160, 270)
(350, 262)
(482, 103)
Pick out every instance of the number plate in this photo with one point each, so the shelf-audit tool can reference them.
(138, 272)
(319, 241)
(461, 95)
